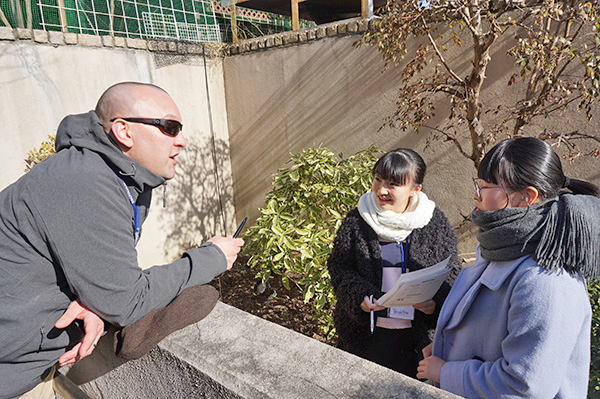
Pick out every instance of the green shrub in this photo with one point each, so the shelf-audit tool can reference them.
(594, 387)
(34, 156)
(294, 234)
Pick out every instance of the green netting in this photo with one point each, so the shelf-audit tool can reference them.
(17, 15)
(168, 19)
(193, 20)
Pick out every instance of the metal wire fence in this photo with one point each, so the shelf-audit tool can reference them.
(190, 20)
(147, 19)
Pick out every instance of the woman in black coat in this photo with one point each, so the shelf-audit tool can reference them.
(395, 229)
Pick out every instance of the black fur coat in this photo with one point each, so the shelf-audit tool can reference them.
(355, 269)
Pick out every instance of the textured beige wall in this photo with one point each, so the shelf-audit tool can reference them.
(41, 83)
(329, 92)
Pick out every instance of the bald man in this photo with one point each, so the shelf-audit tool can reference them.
(68, 231)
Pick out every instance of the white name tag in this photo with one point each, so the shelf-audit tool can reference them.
(402, 312)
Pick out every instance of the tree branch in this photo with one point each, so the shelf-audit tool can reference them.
(565, 137)
(450, 138)
(441, 57)
(453, 91)
(465, 14)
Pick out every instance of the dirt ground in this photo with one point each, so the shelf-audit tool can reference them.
(286, 308)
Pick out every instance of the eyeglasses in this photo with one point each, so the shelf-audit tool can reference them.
(478, 188)
(170, 127)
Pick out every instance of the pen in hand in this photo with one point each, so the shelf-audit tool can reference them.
(372, 316)
(239, 229)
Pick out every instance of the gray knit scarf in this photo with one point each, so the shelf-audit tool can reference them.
(561, 233)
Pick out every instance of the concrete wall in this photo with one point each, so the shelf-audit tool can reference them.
(46, 76)
(290, 92)
(232, 354)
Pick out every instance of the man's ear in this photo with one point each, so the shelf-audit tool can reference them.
(122, 134)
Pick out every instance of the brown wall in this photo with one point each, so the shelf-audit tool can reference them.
(326, 91)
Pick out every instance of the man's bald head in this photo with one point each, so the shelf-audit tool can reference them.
(122, 99)
(128, 112)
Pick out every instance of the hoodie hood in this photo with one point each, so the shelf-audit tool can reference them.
(85, 131)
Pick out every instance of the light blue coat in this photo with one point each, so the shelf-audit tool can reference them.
(514, 330)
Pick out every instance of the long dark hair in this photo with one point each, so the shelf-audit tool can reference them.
(401, 166)
(528, 161)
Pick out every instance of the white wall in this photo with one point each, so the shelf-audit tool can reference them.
(41, 83)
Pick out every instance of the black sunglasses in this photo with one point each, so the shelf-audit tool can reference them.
(169, 127)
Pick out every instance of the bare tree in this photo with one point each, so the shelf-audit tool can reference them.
(556, 54)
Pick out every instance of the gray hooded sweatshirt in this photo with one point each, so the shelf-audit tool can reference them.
(67, 232)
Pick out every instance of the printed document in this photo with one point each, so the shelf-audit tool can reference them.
(416, 287)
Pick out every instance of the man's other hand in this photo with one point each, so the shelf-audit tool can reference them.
(93, 327)
(230, 247)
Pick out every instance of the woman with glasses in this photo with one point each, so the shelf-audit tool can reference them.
(516, 323)
(395, 229)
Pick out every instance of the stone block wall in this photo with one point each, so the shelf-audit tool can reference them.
(233, 355)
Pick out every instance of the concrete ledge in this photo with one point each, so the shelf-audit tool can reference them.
(56, 38)
(363, 25)
(119, 41)
(7, 33)
(70, 38)
(90, 40)
(212, 50)
(40, 36)
(354, 26)
(233, 354)
(321, 33)
(108, 41)
(24, 34)
(139, 44)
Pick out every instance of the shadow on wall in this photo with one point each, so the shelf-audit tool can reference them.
(199, 207)
(332, 93)
(268, 123)
(341, 99)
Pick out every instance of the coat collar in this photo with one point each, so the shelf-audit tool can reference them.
(482, 273)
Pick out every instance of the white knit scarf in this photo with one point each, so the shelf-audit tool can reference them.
(392, 226)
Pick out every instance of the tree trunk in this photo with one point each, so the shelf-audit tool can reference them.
(481, 59)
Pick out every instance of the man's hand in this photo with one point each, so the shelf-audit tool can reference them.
(93, 327)
(230, 247)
